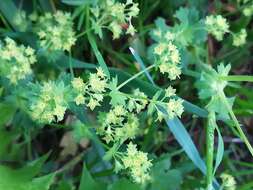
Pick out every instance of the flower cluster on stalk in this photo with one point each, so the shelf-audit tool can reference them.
(217, 26)
(114, 16)
(228, 182)
(16, 60)
(90, 93)
(48, 101)
(138, 163)
(168, 59)
(239, 38)
(55, 31)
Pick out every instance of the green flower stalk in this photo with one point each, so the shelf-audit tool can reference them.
(16, 61)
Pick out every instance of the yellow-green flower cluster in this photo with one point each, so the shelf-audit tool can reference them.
(217, 26)
(114, 15)
(139, 103)
(239, 38)
(118, 125)
(90, 93)
(16, 60)
(48, 101)
(168, 59)
(247, 7)
(56, 31)
(171, 108)
(20, 20)
(138, 164)
(228, 182)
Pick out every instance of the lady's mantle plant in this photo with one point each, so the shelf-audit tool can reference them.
(118, 122)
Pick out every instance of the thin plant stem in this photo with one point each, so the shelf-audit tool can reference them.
(70, 64)
(238, 78)
(210, 148)
(135, 76)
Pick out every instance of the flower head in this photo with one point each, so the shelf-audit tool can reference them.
(217, 26)
(48, 101)
(56, 31)
(239, 38)
(17, 60)
(228, 182)
(115, 16)
(138, 164)
(167, 58)
(91, 92)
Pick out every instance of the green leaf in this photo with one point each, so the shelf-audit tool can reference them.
(22, 179)
(42, 183)
(6, 139)
(191, 29)
(117, 98)
(9, 10)
(220, 151)
(163, 177)
(88, 183)
(47, 5)
(7, 111)
(98, 55)
(81, 131)
(123, 184)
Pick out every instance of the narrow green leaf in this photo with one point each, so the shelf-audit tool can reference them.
(9, 11)
(220, 150)
(88, 183)
(98, 55)
(139, 60)
(47, 5)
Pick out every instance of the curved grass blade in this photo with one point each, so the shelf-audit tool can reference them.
(139, 60)
(9, 11)
(220, 150)
(98, 55)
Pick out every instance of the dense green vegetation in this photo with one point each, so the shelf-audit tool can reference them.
(114, 95)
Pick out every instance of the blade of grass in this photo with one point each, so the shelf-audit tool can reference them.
(47, 5)
(9, 11)
(139, 60)
(220, 150)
